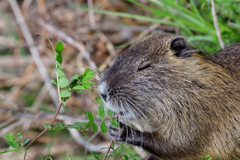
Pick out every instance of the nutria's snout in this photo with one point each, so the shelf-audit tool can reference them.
(102, 88)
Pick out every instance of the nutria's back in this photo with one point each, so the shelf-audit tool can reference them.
(185, 102)
(229, 58)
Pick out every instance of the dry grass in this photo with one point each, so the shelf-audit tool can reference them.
(26, 101)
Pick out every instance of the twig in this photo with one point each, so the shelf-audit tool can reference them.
(91, 14)
(110, 145)
(33, 50)
(108, 150)
(55, 115)
(215, 22)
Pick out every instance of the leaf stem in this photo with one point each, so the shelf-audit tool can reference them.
(110, 145)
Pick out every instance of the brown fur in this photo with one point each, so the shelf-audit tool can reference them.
(185, 105)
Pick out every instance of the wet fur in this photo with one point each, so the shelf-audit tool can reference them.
(185, 104)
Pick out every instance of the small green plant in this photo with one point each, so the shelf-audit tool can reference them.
(15, 142)
(207, 157)
(78, 83)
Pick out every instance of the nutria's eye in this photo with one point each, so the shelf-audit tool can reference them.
(144, 65)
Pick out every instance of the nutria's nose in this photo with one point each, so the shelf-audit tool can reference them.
(104, 96)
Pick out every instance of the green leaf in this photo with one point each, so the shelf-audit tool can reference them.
(56, 54)
(60, 124)
(95, 155)
(94, 127)
(64, 93)
(60, 72)
(90, 116)
(83, 135)
(99, 100)
(103, 127)
(92, 72)
(87, 83)
(63, 82)
(126, 157)
(87, 77)
(57, 63)
(88, 124)
(40, 155)
(8, 150)
(11, 140)
(87, 71)
(120, 147)
(75, 77)
(58, 50)
(19, 135)
(68, 125)
(109, 113)
(64, 103)
(50, 127)
(79, 91)
(87, 87)
(54, 82)
(101, 112)
(59, 47)
(78, 124)
(26, 141)
(112, 154)
(46, 125)
(78, 87)
(114, 123)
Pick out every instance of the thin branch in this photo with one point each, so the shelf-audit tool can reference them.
(91, 14)
(215, 22)
(110, 144)
(54, 117)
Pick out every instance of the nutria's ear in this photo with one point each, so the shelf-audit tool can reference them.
(179, 46)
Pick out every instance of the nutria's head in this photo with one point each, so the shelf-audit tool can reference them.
(156, 79)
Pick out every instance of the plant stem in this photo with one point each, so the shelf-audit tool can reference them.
(110, 145)
(55, 115)
(108, 150)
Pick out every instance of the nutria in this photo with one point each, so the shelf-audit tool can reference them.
(186, 102)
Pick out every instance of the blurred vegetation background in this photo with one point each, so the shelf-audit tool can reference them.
(94, 33)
